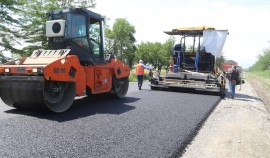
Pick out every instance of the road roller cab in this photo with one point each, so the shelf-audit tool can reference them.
(75, 66)
(79, 30)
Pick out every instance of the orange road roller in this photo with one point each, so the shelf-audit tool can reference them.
(75, 66)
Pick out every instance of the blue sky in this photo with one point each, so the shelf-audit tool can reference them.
(248, 21)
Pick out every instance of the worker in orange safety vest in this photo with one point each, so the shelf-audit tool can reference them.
(140, 72)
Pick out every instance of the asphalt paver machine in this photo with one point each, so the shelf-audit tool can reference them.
(194, 61)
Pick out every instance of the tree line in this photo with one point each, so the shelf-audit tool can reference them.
(22, 30)
(263, 63)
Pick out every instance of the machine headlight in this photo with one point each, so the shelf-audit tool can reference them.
(34, 70)
(6, 69)
(37, 70)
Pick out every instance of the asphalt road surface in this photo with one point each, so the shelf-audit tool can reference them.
(145, 123)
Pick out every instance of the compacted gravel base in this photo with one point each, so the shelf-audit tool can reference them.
(238, 127)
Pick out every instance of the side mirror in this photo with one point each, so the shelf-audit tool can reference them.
(109, 57)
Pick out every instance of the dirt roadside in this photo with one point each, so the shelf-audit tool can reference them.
(238, 128)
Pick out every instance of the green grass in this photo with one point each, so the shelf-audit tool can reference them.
(263, 77)
(133, 77)
(265, 74)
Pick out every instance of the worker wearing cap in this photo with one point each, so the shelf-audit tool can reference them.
(140, 72)
(233, 77)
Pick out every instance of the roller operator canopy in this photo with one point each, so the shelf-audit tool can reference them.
(213, 40)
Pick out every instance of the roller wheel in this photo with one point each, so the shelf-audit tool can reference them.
(36, 93)
(23, 94)
(59, 96)
(120, 86)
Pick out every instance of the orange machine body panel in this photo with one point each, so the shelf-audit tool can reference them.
(68, 69)
(99, 77)
(226, 67)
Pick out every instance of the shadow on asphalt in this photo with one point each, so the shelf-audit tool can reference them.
(83, 107)
(187, 90)
(245, 97)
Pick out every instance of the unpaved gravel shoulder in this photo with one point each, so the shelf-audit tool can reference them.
(236, 128)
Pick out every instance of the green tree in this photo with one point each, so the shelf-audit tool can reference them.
(156, 54)
(33, 27)
(263, 63)
(167, 53)
(77, 3)
(121, 41)
(35, 19)
(29, 26)
(146, 51)
(109, 36)
(219, 61)
(9, 26)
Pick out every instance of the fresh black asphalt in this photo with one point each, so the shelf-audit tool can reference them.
(144, 124)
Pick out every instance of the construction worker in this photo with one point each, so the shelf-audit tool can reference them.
(140, 72)
(233, 77)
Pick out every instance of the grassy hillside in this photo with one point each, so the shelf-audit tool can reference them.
(260, 71)
(263, 77)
